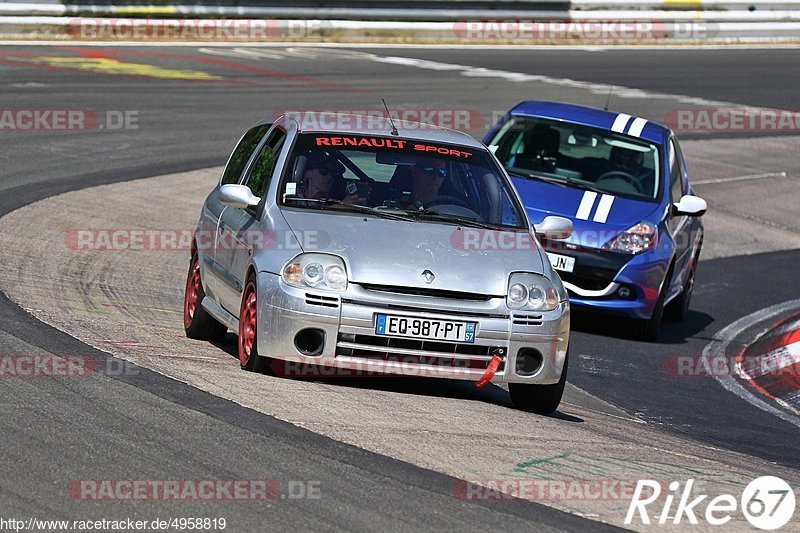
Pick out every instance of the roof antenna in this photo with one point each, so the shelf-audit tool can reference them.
(608, 101)
(394, 130)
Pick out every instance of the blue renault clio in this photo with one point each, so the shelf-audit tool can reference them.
(622, 181)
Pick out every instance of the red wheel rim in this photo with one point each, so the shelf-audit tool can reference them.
(247, 324)
(192, 289)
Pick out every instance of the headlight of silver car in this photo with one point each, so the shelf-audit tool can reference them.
(533, 292)
(316, 271)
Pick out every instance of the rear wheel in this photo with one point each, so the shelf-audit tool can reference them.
(539, 399)
(249, 359)
(196, 321)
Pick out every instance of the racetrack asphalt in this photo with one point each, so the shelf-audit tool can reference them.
(147, 425)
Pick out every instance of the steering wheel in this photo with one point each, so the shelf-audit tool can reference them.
(448, 200)
(456, 202)
(624, 176)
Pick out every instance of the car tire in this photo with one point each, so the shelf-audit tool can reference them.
(647, 329)
(249, 358)
(539, 399)
(196, 321)
(678, 309)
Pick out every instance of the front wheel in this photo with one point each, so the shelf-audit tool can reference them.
(647, 329)
(249, 359)
(678, 309)
(539, 399)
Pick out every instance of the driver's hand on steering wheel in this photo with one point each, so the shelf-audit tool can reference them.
(354, 199)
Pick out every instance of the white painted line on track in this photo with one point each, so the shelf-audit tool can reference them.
(718, 349)
(464, 70)
(741, 178)
(522, 77)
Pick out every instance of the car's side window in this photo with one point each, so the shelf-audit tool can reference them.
(675, 172)
(242, 153)
(261, 171)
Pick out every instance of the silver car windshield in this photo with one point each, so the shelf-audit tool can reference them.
(578, 156)
(399, 178)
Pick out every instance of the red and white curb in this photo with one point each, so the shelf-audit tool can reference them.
(777, 374)
(778, 344)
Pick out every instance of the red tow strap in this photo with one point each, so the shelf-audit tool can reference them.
(494, 364)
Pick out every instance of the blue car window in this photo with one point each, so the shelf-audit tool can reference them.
(579, 156)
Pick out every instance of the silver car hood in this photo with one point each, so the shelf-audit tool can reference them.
(395, 252)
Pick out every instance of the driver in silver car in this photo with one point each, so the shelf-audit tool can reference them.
(428, 174)
(321, 174)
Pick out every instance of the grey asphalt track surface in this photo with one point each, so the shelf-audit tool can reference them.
(147, 425)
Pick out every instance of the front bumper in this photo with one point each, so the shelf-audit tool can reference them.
(347, 321)
(599, 275)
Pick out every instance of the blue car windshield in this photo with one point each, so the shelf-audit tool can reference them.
(391, 176)
(578, 156)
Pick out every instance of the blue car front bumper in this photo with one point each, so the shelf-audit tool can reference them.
(615, 282)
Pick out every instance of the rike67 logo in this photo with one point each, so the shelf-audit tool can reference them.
(767, 503)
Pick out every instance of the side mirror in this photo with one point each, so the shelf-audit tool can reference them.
(555, 228)
(690, 206)
(238, 196)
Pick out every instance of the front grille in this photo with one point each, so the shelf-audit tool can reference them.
(414, 351)
(594, 269)
(586, 282)
(322, 301)
(432, 293)
(527, 320)
(426, 309)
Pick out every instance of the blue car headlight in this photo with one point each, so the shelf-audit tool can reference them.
(532, 292)
(636, 239)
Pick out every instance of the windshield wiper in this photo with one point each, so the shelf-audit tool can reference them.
(427, 214)
(333, 204)
(564, 182)
(540, 177)
(584, 185)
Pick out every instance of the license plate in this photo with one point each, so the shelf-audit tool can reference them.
(425, 328)
(562, 262)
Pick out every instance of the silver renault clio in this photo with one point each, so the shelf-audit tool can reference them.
(360, 245)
